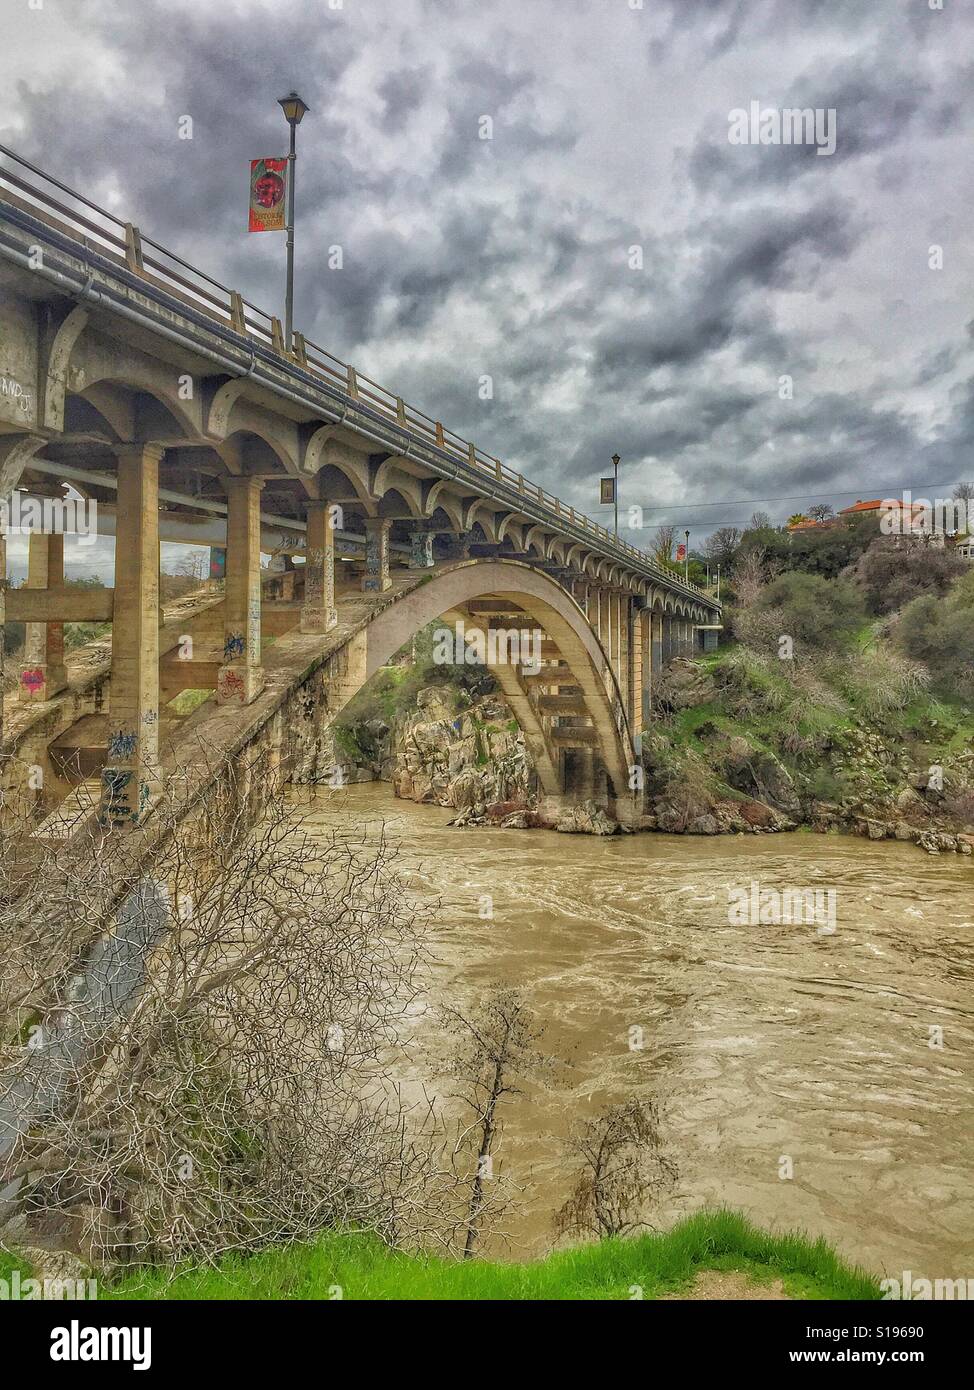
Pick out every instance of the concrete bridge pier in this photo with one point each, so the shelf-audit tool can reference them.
(42, 673)
(377, 578)
(318, 613)
(132, 775)
(241, 677)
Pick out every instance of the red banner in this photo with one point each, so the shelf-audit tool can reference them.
(268, 190)
(681, 552)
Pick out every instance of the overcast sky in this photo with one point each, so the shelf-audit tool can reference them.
(510, 257)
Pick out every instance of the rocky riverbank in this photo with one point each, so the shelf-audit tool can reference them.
(708, 772)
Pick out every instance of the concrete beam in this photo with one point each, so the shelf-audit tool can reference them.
(60, 605)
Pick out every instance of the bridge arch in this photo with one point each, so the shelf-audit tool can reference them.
(554, 611)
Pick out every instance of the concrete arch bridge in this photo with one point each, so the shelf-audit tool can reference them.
(174, 412)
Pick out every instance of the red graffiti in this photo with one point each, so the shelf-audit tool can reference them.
(232, 684)
(32, 679)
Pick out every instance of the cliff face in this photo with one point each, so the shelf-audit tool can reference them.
(469, 759)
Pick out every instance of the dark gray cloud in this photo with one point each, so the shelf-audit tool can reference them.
(510, 257)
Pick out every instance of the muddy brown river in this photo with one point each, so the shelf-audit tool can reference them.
(761, 1041)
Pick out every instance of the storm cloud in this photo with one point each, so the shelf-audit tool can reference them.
(626, 278)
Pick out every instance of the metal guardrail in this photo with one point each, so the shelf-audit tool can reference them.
(124, 243)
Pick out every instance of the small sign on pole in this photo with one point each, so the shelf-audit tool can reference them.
(607, 490)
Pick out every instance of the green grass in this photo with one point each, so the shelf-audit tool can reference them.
(362, 1268)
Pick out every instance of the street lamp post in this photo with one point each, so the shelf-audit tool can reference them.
(616, 460)
(686, 557)
(293, 108)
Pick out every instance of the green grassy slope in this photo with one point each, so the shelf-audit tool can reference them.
(359, 1267)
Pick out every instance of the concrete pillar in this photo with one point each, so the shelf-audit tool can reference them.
(241, 677)
(318, 612)
(625, 647)
(132, 776)
(457, 546)
(42, 673)
(376, 577)
(656, 646)
(421, 549)
(638, 665)
(3, 611)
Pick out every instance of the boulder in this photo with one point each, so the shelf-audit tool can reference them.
(585, 819)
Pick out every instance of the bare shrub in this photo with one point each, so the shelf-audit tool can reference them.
(623, 1172)
(211, 1074)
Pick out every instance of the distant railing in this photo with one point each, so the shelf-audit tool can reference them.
(123, 242)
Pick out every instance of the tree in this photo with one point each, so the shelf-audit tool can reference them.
(720, 547)
(663, 544)
(496, 1050)
(624, 1170)
(964, 492)
(821, 512)
(760, 521)
(797, 518)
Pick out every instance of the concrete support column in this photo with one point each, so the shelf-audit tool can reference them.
(376, 578)
(656, 646)
(42, 673)
(609, 627)
(132, 776)
(421, 549)
(457, 546)
(241, 677)
(638, 630)
(318, 612)
(625, 650)
(3, 610)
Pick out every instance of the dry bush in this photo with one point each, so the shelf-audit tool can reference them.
(212, 1073)
(623, 1172)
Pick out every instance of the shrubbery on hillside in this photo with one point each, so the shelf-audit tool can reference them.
(816, 613)
(890, 575)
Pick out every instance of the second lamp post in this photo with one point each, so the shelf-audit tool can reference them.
(293, 108)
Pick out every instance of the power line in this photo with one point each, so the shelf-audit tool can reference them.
(798, 497)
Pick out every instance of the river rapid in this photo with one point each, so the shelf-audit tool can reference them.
(761, 1041)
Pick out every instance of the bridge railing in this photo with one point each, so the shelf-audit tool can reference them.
(109, 235)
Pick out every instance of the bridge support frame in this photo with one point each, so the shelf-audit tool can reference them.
(132, 777)
(241, 677)
(318, 613)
